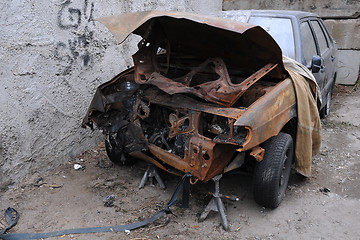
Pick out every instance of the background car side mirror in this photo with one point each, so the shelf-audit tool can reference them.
(316, 63)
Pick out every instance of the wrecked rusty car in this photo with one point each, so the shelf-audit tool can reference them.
(205, 96)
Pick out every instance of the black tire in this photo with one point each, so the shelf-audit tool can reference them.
(271, 175)
(325, 111)
(116, 155)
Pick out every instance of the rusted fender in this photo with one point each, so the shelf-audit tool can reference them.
(268, 115)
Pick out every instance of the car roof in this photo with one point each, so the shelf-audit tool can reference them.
(273, 13)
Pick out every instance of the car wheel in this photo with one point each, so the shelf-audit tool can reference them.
(271, 175)
(325, 111)
(116, 155)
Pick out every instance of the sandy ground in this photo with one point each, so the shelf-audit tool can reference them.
(65, 198)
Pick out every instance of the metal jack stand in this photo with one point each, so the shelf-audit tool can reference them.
(151, 172)
(216, 205)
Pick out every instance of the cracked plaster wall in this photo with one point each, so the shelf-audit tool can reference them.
(53, 56)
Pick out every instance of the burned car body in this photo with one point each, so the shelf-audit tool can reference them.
(204, 94)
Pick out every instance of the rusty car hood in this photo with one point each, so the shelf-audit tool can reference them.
(204, 35)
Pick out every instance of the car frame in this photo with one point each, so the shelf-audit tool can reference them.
(206, 96)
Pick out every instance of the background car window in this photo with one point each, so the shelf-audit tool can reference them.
(323, 44)
(309, 46)
(281, 30)
(327, 35)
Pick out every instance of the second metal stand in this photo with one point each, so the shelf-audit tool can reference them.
(150, 173)
(216, 205)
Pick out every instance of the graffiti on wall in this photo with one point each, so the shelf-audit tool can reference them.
(78, 20)
(69, 17)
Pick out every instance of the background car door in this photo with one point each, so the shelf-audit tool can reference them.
(310, 49)
(326, 53)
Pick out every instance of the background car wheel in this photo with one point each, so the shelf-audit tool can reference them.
(271, 175)
(116, 155)
(325, 111)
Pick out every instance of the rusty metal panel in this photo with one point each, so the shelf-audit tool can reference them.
(122, 25)
(268, 115)
(238, 44)
(185, 102)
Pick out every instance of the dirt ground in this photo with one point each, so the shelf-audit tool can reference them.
(65, 198)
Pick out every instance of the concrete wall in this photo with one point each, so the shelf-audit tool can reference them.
(325, 8)
(346, 33)
(53, 56)
(341, 18)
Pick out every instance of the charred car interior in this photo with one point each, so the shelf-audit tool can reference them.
(205, 96)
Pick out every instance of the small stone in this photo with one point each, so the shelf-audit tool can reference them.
(78, 167)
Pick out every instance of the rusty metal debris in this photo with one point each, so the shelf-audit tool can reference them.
(258, 153)
(202, 92)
